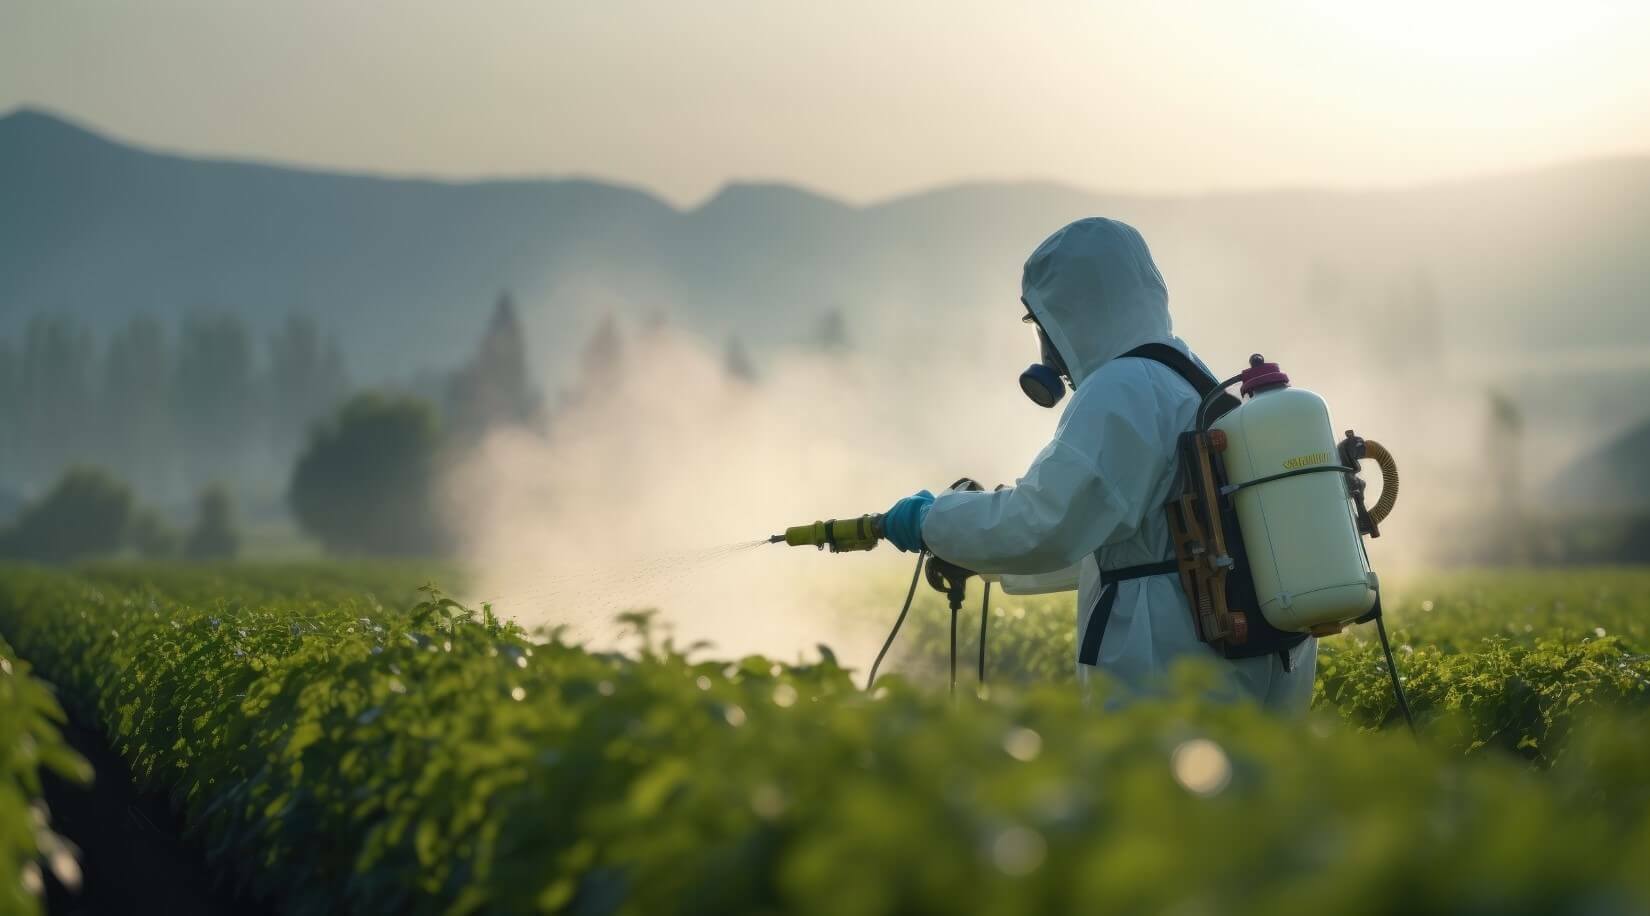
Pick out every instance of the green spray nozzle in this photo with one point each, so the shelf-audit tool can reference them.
(839, 535)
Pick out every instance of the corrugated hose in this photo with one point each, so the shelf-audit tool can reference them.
(1377, 452)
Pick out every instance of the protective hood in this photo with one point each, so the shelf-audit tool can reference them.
(1097, 293)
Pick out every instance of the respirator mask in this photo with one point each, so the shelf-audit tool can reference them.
(1044, 382)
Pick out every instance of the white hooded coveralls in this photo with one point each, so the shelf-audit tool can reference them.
(1099, 489)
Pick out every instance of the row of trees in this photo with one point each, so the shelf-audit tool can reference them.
(89, 512)
(165, 409)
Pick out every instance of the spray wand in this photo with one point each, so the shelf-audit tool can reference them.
(863, 533)
(838, 535)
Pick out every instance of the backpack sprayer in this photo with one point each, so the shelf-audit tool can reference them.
(1267, 519)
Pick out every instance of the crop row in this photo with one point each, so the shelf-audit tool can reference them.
(1489, 660)
(336, 755)
(30, 744)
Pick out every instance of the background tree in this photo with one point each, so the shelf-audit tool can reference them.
(214, 536)
(151, 536)
(212, 391)
(365, 482)
(494, 388)
(135, 404)
(11, 439)
(306, 379)
(600, 362)
(84, 514)
(53, 395)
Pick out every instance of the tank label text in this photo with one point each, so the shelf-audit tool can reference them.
(1306, 461)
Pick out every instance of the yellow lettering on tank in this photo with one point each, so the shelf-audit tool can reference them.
(1305, 461)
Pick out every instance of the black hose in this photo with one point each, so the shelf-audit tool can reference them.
(954, 610)
(1213, 395)
(985, 609)
(1392, 672)
(900, 621)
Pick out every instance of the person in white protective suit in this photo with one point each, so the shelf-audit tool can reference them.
(1094, 498)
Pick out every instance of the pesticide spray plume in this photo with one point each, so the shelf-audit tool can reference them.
(644, 492)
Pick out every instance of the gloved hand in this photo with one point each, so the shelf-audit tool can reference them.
(902, 525)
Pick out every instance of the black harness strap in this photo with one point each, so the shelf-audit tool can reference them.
(1203, 383)
(1160, 568)
(1089, 653)
(1187, 368)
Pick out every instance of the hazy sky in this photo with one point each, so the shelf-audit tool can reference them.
(860, 98)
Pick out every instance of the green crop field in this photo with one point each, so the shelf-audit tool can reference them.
(336, 742)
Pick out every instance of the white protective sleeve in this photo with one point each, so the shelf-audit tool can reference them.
(1090, 487)
(1061, 580)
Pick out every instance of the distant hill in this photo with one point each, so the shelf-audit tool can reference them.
(405, 270)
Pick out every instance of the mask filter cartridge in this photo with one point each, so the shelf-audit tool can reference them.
(1043, 385)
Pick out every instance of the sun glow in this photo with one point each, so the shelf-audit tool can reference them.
(1475, 32)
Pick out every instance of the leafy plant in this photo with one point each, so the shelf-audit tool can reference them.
(29, 744)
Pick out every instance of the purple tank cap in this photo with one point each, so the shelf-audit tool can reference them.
(1262, 375)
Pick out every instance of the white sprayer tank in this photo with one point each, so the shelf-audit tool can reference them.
(1300, 533)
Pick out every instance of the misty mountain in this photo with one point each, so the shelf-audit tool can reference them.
(405, 271)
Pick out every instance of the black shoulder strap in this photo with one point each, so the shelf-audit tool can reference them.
(1202, 382)
(1182, 365)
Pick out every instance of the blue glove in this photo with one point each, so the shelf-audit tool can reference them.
(902, 525)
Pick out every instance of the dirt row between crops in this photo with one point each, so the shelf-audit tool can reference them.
(133, 856)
